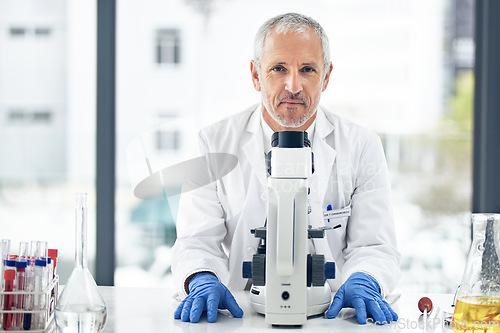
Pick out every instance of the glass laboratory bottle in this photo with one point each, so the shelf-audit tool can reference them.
(478, 297)
(80, 308)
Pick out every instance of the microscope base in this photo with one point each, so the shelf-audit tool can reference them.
(318, 300)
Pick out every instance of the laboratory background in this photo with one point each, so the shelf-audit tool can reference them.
(403, 68)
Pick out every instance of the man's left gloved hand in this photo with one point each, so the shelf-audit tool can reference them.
(361, 292)
(206, 293)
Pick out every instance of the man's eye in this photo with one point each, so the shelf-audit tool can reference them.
(308, 69)
(278, 68)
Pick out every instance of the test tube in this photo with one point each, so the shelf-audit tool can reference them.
(41, 250)
(9, 276)
(32, 252)
(29, 302)
(38, 320)
(5, 248)
(49, 270)
(5, 256)
(23, 250)
(20, 300)
(9, 265)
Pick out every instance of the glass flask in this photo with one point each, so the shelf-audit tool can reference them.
(478, 297)
(80, 308)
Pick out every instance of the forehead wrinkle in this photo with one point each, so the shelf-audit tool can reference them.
(304, 63)
(312, 64)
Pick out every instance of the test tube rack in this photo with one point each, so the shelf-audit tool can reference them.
(49, 298)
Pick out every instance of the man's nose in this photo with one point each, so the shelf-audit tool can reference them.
(293, 83)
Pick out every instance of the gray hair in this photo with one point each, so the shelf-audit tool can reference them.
(294, 22)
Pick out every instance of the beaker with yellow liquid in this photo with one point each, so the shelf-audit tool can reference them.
(477, 307)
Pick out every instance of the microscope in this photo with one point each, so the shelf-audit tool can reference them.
(288, 283)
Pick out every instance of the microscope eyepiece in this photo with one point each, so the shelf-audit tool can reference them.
(290, 139)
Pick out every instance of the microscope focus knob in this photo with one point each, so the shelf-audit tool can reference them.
(247, 269)
(315, 270)
(259, 269)
(329, 270)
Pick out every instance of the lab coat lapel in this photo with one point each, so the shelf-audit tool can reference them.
(254, 151)
(324, 157)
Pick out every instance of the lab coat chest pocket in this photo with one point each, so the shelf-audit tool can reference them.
(338, 234)
(338, 195)
(336, 238)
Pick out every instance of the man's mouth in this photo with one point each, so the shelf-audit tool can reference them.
(292, 102)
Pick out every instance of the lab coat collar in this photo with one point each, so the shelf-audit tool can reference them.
(254, 148)
(324, 125)
(324, 157)
(254, 120)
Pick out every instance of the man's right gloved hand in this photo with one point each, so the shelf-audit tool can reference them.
(206, 293)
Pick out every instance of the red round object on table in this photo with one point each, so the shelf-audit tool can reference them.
(425, 303)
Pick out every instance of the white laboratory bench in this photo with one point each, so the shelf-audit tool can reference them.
(151, 310)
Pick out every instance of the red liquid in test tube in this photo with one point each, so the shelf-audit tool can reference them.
(20, 300)
(9, 277)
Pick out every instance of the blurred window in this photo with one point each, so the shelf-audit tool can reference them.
(168, 46)
(17, 31)
(167, 140)
(17, 116)
(42, 116)
(42, 31)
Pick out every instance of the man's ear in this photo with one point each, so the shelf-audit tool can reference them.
(255, 75)
(327, 78)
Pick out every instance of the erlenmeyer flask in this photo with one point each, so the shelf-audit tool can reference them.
(478, 298)
(80, 308)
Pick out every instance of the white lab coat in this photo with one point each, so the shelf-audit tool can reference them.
(214, 222)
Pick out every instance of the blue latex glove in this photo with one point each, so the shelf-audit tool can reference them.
(361, 292)
(206, 293)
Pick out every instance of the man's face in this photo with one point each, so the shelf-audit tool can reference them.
(291, 79)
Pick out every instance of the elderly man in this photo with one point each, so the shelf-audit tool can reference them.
(291, 69)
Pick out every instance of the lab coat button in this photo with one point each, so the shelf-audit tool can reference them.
(251, 250)
(263, 196)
